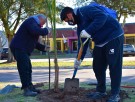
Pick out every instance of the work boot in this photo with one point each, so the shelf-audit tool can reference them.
(114, 98)
(32, 88)
(96, 95)
(28, 92)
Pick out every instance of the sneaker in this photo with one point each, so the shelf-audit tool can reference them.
(114, 98)
(28, 92)
(32, 88)
(96, 95)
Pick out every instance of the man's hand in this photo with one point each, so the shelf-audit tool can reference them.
(47, 48)
(84, 34)
(77, 63)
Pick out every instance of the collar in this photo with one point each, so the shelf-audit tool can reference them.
(36, 19)
(75, 11)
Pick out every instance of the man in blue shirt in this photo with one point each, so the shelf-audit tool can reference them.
(22, 45)
(107, 35)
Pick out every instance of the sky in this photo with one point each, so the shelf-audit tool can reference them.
(71, 3)
(128, 20)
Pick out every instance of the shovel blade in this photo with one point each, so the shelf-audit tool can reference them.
(71, 85)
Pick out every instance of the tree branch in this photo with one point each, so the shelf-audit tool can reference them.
(18, 18)
(13, 12)
(13, 23)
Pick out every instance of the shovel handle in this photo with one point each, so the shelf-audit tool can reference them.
(81, 49)
(75, 71)
(80, 53)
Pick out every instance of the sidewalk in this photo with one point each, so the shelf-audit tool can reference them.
(71, 59)
(85, 75)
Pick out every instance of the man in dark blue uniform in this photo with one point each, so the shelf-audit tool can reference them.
(107, 35)
(23, 43)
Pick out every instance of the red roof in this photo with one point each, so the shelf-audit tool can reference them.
(129, 28)
(67, 32)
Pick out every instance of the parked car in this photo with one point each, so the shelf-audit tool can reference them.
(128, 49)
(4, 53)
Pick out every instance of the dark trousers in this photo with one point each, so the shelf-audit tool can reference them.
(111, 54)
(24, 66)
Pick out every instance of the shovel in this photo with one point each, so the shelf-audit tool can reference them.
(79, 55)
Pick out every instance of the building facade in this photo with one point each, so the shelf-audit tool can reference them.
(66, 40)
(129, 30)
(70, 45)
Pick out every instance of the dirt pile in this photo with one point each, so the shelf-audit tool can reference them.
(80, 96)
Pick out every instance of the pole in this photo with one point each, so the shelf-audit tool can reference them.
(48, 57)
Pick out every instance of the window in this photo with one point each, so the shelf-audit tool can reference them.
(74, 45)
(58, 45)
(130, 40)
(65, 46)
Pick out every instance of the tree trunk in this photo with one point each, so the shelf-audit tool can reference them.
(124, 20)
(10, 56)
(9, 36)
(56, 82)
(119, 17)
(52, 14)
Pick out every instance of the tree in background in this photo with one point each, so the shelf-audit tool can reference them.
(122, 7)
(13, 12)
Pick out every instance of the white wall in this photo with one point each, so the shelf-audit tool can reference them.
(4, 40)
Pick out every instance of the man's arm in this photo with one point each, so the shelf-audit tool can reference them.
(40, 47)
(35, 29)
(98, 18)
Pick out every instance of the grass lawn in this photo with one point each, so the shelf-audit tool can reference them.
(61, 64)
(16, 95)
(61, 55)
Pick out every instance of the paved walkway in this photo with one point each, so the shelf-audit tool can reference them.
(71, 59)
(85, 75)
